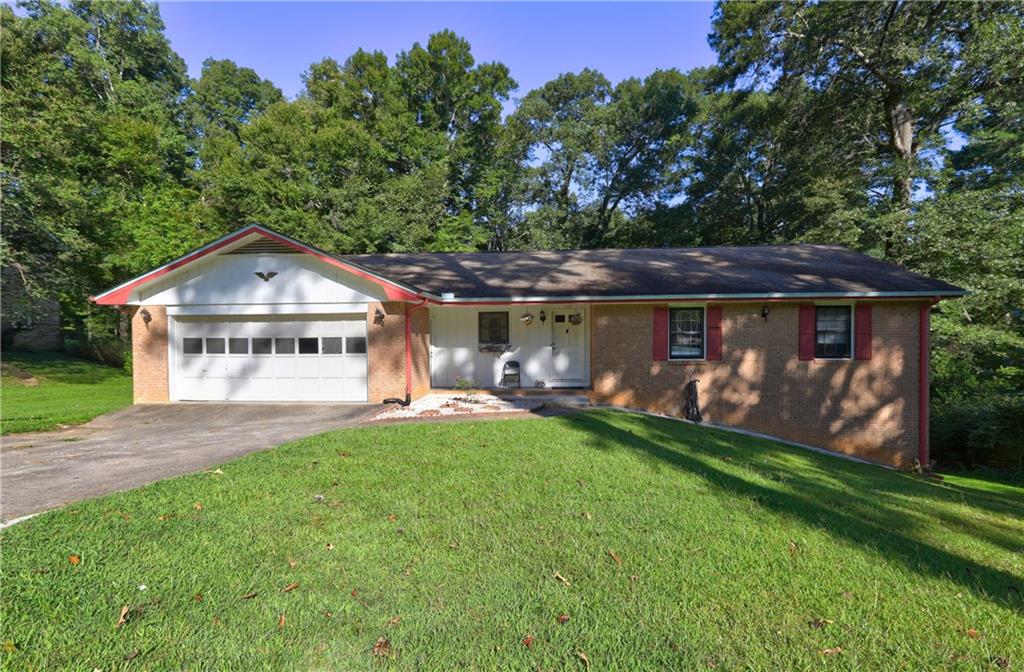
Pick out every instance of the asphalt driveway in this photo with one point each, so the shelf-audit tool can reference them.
(142, 444)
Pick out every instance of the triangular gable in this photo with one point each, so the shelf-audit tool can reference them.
(122, 294)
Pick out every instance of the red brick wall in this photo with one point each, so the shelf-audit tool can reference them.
(149, 356)
(386, 351)
(420, 352)
(864, 408)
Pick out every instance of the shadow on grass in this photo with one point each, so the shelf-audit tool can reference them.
(60, 368)
(859, 519)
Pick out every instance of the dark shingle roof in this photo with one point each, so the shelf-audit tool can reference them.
(700, 272)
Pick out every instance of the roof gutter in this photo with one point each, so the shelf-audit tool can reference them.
(773, 296)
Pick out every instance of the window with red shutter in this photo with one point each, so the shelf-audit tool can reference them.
(660, 334)
(862, 331)
(806, 351)
(714, 350)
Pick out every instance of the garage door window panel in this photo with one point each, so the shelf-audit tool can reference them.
(309, 346)
(355, 345)
(332, 345)
(192, 346)
(284, 346)
(215, 346)
(261, 346)
(238, 346)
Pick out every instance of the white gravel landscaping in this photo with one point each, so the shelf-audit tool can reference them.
(457, 403)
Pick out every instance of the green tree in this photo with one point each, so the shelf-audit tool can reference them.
(891, 75)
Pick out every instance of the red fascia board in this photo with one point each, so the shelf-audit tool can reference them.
(121, 294)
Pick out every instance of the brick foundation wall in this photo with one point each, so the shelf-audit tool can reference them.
(863, 408)
(149, 356)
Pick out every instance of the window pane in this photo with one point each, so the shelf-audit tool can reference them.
(238, 346)
(493, 327)
(332, 345)
(192, 346)
(215, 346)
(261, 346)
(284, 346)
(559, 318)
(308, 346)
(356, 345)
(832, 332)
(686, 333)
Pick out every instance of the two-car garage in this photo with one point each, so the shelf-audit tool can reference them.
(269, 359)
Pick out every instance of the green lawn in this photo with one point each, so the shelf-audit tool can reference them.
(66, 391)
(681, 548)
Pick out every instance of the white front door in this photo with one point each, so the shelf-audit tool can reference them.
(567, 346)
(271, 360)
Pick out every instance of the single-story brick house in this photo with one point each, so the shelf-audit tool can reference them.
(812, 343)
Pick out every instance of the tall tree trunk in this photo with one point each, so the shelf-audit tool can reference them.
(901, 142)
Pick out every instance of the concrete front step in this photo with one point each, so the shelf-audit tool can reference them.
(563, 400)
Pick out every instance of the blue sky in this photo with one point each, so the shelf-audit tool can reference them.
(536, 41)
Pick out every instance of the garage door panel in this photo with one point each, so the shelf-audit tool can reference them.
(265, 360)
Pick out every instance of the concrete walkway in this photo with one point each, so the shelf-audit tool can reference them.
(142, 444)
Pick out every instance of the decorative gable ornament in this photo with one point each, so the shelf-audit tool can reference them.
(266, 277)
(527, 319)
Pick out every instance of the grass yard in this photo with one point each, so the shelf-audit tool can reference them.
(41, 391)
(639, 543)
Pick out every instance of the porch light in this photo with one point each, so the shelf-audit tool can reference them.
(146, 316)
(765, 309)
(543, 317)
(378, 316)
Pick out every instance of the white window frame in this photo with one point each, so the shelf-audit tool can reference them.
(853, 329)
(704, 337)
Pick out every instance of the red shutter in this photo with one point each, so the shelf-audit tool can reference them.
(660, 334)
(862, 327)
(806, 332)
(714, 333)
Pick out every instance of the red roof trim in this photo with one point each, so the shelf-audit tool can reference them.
(122, 293)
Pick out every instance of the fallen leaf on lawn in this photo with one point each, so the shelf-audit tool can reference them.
(123, 618)
(163, 518)
(198, 597)
(563, 618)
(407, 572)
(615, 556)
(973, 634)
(565, 581)
(217, 471)
(454, 545)
(74, 559)
(847, 595)
(819, 623)
(793, 548)
(249, 596)
(216, 620)
(133, 655)
(528, 641)
(354, 593)
(392, 517)
(290, 587)
(1002, 662)
(394, 620)
(832, 652)
(198, 506)
(400, 530)
(328, 614)
(584, 658)
(633, 578)
(280, 621)
(292, 563)
(9, 646)
(343, 454)
(382, 648)
(588, 515)
(330, 547)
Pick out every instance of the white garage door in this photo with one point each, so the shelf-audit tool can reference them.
(271, 360)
